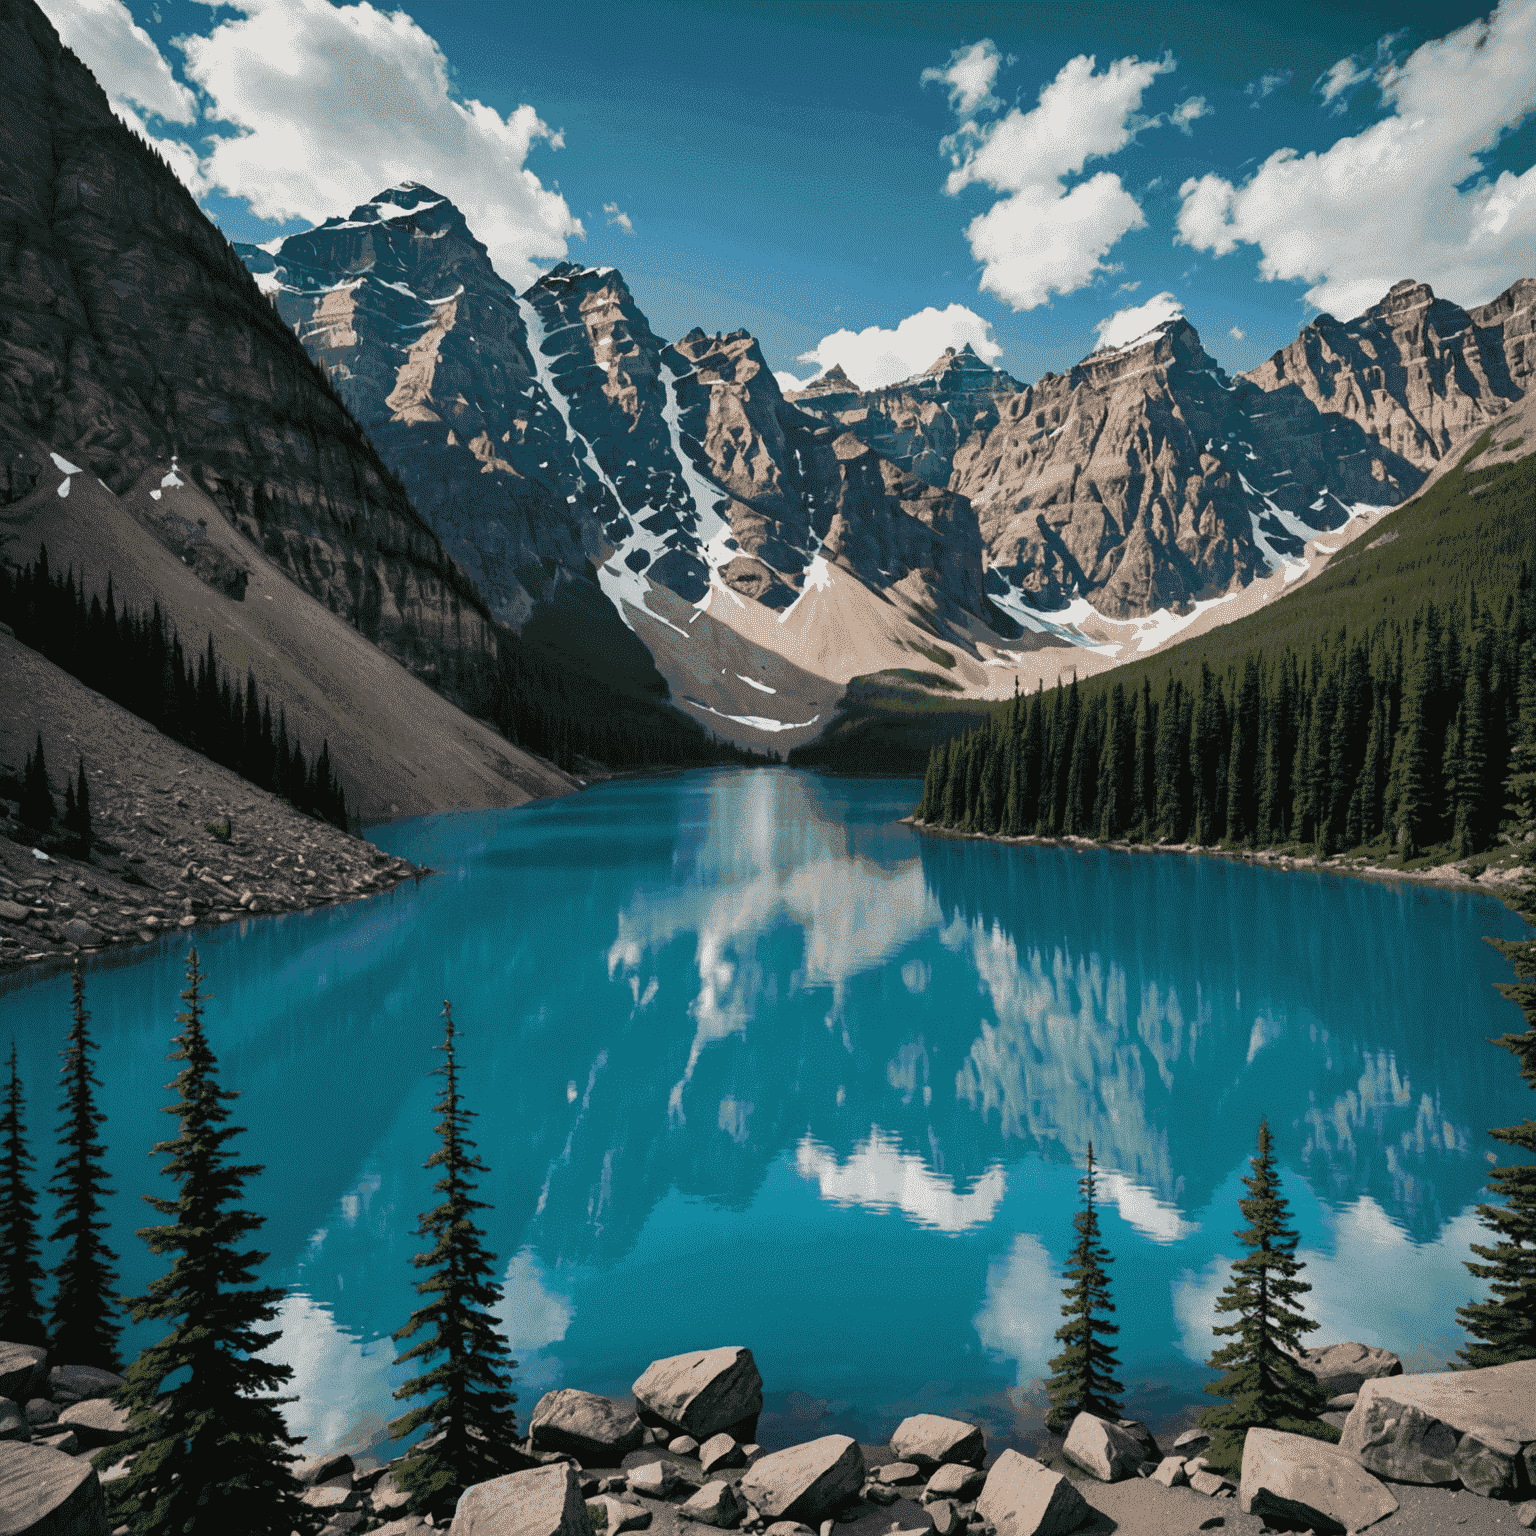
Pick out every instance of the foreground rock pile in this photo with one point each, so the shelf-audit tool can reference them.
(683, 1456)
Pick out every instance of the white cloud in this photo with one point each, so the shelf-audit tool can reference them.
(1022, 1309)
(1042, 238)
(1128, 325)
(874, 357)
(970, 76)
(617, 216)
(1188, 110)
(1341, 77)
(123, 57)
(788, 381)
(1405, 197)
(1236, 334)
(334, 103)
(181, 158)
(1267, 85)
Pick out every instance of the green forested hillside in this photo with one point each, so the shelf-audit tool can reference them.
(1384, 703)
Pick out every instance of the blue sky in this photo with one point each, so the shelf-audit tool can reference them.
(1025, 172)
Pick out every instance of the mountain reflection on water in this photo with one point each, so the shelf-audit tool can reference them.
(754, 1063)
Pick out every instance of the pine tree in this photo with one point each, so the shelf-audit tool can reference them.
(37, 808)
(1264, 1385)
(210, 1452)
(468, 1392)
(1082, 1375)
(21, 1276)
(83, 1331)
(1504, 1326)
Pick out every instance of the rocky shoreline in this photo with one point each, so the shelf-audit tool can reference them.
(1495, 880)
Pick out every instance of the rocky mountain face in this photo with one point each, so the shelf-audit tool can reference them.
(557, 442)
(583, 468)
(133, 334)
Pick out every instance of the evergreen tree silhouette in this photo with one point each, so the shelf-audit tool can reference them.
(468, 1392)
(83, 1330)
(37, 808)
(1503, 1328)
(210, 1452)
(1082, 1375)
(21, 1276)
(1264, 1385)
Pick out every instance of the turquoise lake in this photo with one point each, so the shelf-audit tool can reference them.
(754, 1064)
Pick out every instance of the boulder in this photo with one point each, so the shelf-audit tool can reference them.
(43, 1492)
(1410, 1428)
(720, 1453)
(703, 1393)
(1526, 1514)
(947, 1520)
(411, 1525)
(899, 1472)
(954, 1481)
(40, 1411)
(932, 1441)
(1208, 1483)
(1488, 1464)
(65, 1440)
(14, 1424)
(544, 1501)
(321, 1469)
(1192, 1442)
(788, 1528)
(716, 1503)
(74, 1383)
(612, 1515)
(331, 1501)
(881, 1493)
(1023, 1498)
(595, 1430)
(1347, 1367)
(97, 1422)
(683, 1445)
(23, 1371)
(1310, 1482)
(388, 1496)
(1170, 1472)
(655, 1479)
(1101, 1447)
(806, 1482)
(1143, 1437)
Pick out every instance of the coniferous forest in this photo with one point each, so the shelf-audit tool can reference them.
(138, 661)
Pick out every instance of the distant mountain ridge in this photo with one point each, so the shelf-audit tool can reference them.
(566, 454)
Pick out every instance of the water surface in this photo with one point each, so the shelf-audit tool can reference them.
(754, 1064)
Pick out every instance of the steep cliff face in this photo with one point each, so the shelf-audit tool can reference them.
(132, 333)
(1414, 372)
(919, 424)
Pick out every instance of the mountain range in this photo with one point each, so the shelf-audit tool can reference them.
(765, 548)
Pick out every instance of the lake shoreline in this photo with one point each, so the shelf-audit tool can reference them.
(1444, 876)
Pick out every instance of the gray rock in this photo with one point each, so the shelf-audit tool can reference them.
(881, 1493)
(720, 1453)
(544, 1501)
(322, 1469)
(1347, 1367)
(43, 1492)
(1209, 1483)
(946, 1518)
(1192, 1442)
(23, 1371)
(1526, 1514)
(619, 1484)
(80, 932)
(1101, 1447)
(716, 1503)
(97, 1422)
(684, 1445)
(411, 1525)
(1489, 1465)
(1294, 1478)
(1407, 1427)
(1343, 1402)
(14, 1424)
(1170, 1472)
(1338, 1419)
(703, 1393)
(899, 1472)
(595, 1430)
(930, 1441)
(13, 911)
(1023, 1498)
(788, 1528)
(40, 1411)
(1143, 1437)
(954, 1481)
(751, 1452)
(612, 1515)
(75, 1383)
(331, 1501)
(388, 1496)
(655, 1479)
(65, 1440)
(806, 1482)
